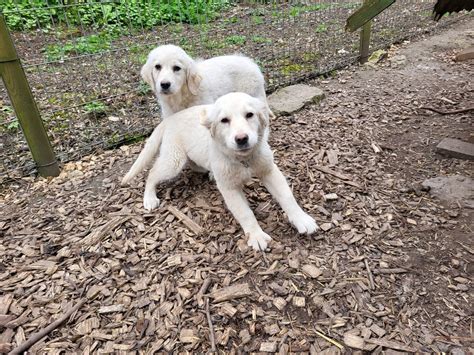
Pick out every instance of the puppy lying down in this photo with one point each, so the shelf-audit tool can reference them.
(229, 140)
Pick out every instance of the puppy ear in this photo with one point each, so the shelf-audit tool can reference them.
(147, 74)
(193, 79)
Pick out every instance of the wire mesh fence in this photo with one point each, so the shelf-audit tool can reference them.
(83, 58)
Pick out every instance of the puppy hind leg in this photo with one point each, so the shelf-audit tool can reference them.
(166, 167)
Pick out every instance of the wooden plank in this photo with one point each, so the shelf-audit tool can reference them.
(366, 13)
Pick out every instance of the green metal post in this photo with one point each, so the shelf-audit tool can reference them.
(24, 104)
(365, 40)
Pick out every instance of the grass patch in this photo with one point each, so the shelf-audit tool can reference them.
(83, 45)
(236, 40)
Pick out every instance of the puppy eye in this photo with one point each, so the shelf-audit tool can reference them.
(158, 67)
(176, 68)
(225, 120)
(249, 115)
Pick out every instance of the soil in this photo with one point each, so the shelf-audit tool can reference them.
(392, 272)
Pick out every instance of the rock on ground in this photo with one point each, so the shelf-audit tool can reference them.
(293, 98)
(452, 188)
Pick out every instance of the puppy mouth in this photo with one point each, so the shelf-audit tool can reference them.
(166, 92)
(243, 150)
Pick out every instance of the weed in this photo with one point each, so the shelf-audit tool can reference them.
(143, 88)
(95, 108)
(291, 68)
(321, 28)
(83, 45)
(257, 20)
(236, 40)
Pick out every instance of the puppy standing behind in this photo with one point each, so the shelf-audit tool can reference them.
(180, 82)
(231, 142)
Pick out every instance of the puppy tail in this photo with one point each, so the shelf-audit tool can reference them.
(147, 154)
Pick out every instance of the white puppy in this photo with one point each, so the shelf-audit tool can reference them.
(231, 142)
(180, 82)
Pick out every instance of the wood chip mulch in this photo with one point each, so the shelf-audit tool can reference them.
(390, 271)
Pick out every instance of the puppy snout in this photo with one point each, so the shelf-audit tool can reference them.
(241, 139)
(165, 85)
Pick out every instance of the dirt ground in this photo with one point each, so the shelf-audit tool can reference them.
(392, 271)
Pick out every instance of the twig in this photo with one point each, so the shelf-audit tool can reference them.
(332, 341)
(390, 271)
(212, 336)
(345, 179)
(371, 279)
(188, 222)
(42, 333)
(202, 291)
(462, 110)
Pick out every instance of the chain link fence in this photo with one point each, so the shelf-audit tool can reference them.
(83, 58)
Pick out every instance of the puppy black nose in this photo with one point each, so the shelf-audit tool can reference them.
(165, 85)
(241, 139)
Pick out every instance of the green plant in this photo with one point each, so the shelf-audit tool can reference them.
(7, 118)
(143, 88)
(32, 14)
(322, 27)
(82, 45)
(257, 20)
(236, 39)
(95, 108)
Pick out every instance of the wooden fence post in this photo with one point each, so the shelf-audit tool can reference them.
(365, 40)
(24, 104)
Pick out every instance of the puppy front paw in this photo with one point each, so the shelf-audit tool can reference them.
(150, 202)
(258, 240)
(304, 223)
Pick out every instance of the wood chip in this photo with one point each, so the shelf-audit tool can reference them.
(311, 271)
(268, 347)
(111, 309)
(354, 341)
(299, 301)
(391, 344)
(231, 292)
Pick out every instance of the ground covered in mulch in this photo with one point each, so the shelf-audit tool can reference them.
(91, 101)
(392, 269)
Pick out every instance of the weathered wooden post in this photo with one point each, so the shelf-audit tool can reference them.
(24, 104)
(362, 17)
(365, 40)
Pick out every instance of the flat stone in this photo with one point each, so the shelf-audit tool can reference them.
(452, 188)
(293, 98)
(465, 55)
(456, 148)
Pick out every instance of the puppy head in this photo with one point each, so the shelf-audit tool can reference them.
(237, 122)
(168, 68)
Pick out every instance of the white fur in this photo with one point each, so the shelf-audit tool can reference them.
(212, 146)
(199, 82)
